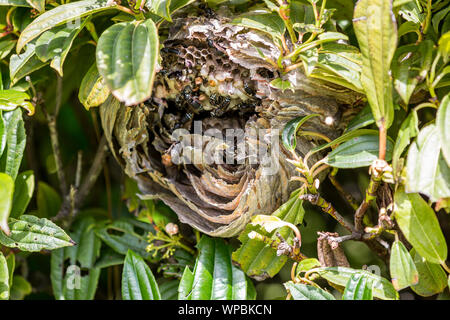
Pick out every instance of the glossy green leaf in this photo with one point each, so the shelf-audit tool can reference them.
(361, 120)
(14, 3)
(301, 291)
(420, 226)
(124, 234)
(29, 233)
(160, 8)
(55, 44)
(410, 66)
(59, 15)
(343, 60)
(39, 5)
(376, 31)
(15, 142)
(48, 200)
(259, 260)
(127, 54)
(443, 125)
(214, 276)
(382, 288)
(4, 278)
(169, 290)
(402, 268)
(345, 137)
(270, 23)
(3, 134)
(25, 63)
(77, 279)
(6, 200)
(306, 265)
(432, 278)
(11, 99)
(93, 89)
(358, 287)
(289, 134)
(357, 152)
(438, 17)
(426, 170)
(410, 11)
(408, 130)
(23, 192)
(138, 282)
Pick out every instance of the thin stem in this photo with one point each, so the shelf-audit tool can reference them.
(347, 196)
(328, 208)
(382, 138)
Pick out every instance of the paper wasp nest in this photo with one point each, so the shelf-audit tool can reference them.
(207, 141)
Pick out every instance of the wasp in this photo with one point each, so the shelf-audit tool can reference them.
(184, 119)
(248, 88)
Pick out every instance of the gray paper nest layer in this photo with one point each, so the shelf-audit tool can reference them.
(211, 71)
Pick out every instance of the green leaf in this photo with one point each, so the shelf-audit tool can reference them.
(23, 192)
(361, 120)
(138, 282)
(358, 287)
(3, 134)
(410, 11)
(124, 234)
(301, 291)
(270, 23)
(169, 290)
(93, 89)
(408, 130)
(14, 3)
(432, 278)
(403, 270)
(23, 64)
(4, 278)
(11, 99)
(29, 233)
(214, 276)
(48, 201)
(410, 66)
(59, 15)
(343, 60)
(437, 18)
(306, 265)
(289, 134)
(376, 31)
(258, 259)
(127, 54)
(108, 258)
(357, 152)
(15, 142)
(420, 226)
(382, 288)
(39, 5)
(444, 46)
(55, 44)
(280, 84)
(6, 199)
(160, 8)
(20, 288)
(73, 272)
(442, 123)
(426, 170)
(345, 137)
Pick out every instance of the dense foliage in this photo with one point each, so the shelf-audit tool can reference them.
(73, 226)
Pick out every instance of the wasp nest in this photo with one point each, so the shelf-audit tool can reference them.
(207, 141)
